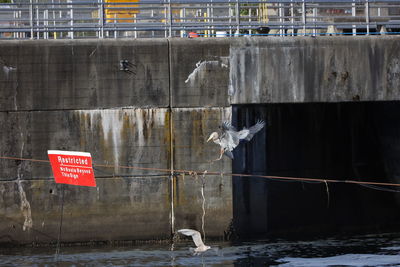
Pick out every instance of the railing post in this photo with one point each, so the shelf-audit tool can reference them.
(238, 17)
(15, 17)
(304, 17)
(37, 20)
(54, 19)
(315, 14)
(281, 20)
(292, 16)
(60, 14)
(115, 26)
(169, 19)
(101, 18)
(182, 17)
(165, 18)
(31, 17)
(353, 13)
(207, 16)
(367, 15)
(46, 23)
(230, 12)
(212, 19)
(250, 20)
(71, 33)
(152, 16)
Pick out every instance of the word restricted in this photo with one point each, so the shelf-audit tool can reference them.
(72, 167)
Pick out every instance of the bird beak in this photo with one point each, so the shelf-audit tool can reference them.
(209, 138)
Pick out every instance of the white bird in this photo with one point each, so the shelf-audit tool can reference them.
(200, 247)
(230, 137)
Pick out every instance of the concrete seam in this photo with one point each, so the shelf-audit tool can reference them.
(88, 109)
(171, 141)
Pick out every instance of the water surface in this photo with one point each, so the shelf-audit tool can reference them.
(367, 250)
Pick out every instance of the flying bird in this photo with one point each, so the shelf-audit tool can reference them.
(230, 137)
(200, 247)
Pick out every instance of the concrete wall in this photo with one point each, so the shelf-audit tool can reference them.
(72, 95)
(199, 72)
(157, 113)
(46, 75)
(328, 69)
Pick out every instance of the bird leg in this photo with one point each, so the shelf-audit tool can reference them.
(221, 153)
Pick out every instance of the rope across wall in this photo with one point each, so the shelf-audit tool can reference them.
(369, 184)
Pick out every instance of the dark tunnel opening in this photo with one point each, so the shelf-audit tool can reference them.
(345, 141)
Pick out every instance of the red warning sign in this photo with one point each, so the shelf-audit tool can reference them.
(71, 167)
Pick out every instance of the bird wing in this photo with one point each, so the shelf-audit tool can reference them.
(247, 134)
(229, 140)
(227, 126)
(229, 153)
(195, 236)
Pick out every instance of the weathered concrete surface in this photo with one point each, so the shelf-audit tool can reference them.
(115, 137)
(199, 72)
(72, 95)
(214, 72)
(83, 74)
(122, 207)
(191, 128)
(304, 69)
(118, 209)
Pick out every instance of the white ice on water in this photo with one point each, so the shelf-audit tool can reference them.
(354, 260)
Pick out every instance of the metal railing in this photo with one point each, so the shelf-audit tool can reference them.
(38, 19)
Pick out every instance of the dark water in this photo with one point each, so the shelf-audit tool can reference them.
(368, 250)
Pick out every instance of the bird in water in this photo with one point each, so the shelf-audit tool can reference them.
(200, 247)
(230, 137)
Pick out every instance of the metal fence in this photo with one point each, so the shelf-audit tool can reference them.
(38, 19)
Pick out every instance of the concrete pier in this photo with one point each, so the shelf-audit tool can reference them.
(152, 104)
